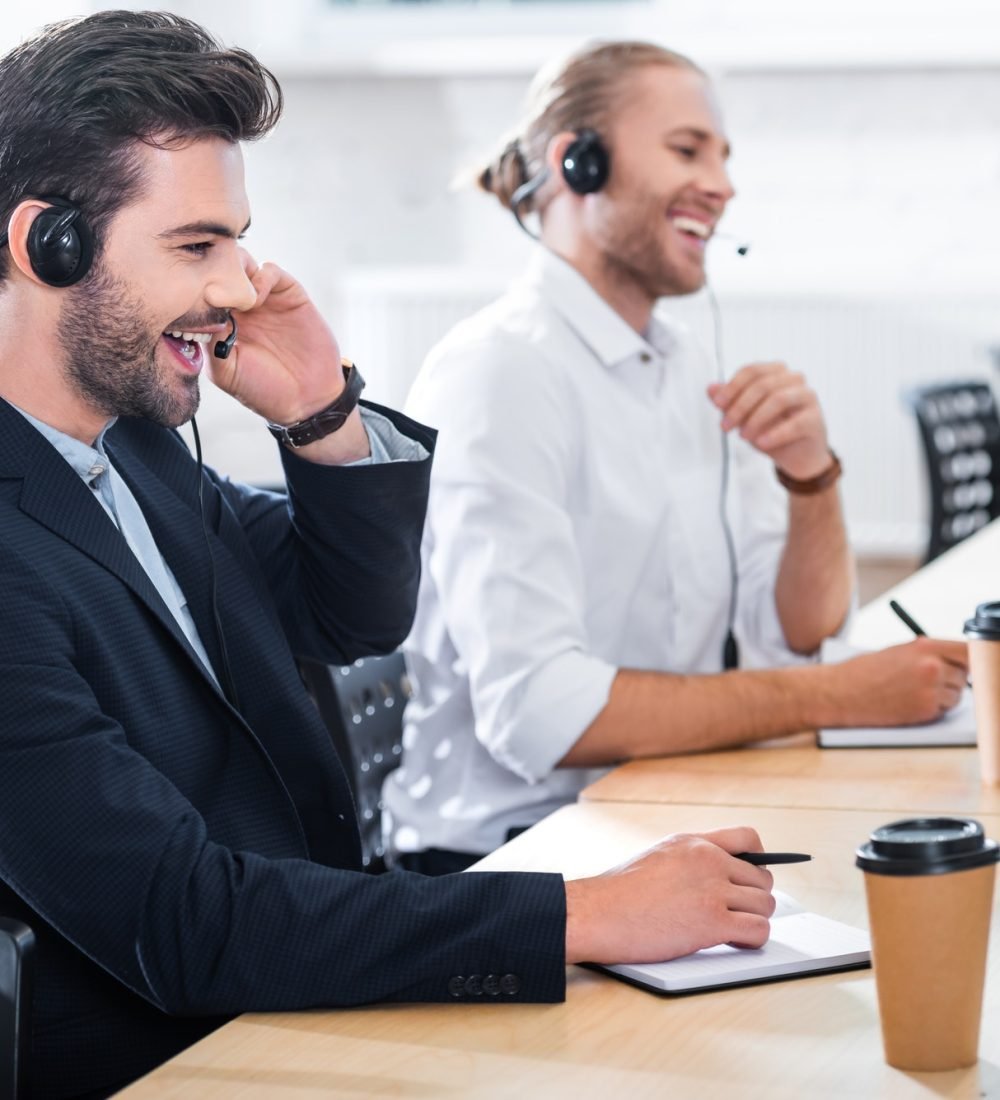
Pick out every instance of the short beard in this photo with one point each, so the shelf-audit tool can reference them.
(633, 254)
(111, 355)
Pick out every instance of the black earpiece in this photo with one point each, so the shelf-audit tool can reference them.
(60, 243)
(586, 163)
(224, 347)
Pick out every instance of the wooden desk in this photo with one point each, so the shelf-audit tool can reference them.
(813, 1037)
(795, 772)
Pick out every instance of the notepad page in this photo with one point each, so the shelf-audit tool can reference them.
(800, 942)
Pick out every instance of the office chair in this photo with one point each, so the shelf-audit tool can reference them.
(960, 433)
(17, 950)
(362, 705)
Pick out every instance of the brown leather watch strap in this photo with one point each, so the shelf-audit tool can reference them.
(810, 485)
(327, 420)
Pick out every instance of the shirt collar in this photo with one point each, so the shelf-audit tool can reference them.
(605, 332)
(87, 461)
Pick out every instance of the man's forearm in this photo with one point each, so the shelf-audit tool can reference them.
(660, 714)
(816, 576)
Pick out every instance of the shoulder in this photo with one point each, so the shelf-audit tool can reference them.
(494, 360)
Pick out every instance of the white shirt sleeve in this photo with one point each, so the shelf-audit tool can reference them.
(502, 551)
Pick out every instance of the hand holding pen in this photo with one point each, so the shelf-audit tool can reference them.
(912, 623)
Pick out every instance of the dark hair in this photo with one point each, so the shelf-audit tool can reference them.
(581, 91)
(77, 96)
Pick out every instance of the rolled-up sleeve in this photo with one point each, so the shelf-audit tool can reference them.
(503, 554)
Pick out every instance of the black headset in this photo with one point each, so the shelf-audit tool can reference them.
(586, 163)
(585, 166)
(60, 243)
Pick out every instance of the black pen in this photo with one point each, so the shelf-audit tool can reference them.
(911, 623)
(761, 859)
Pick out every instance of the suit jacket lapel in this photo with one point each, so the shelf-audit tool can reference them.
(54, 495)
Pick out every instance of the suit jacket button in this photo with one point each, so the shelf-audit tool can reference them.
(491, 985)
(456, 986)
(474, 985)
(510, 984)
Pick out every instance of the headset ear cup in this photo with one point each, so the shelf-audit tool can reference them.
(60, 245)
(586, 163)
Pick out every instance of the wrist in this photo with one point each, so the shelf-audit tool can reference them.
(825, 478)
(326, 420)
(577, 945)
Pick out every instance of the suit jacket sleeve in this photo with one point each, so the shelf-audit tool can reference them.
(342, 555)
(101, 842)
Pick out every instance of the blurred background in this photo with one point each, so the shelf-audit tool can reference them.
(866, 141)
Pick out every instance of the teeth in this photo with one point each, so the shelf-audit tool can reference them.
(692, 225)
(191, 337)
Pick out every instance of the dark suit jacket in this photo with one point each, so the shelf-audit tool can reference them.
(180, 860)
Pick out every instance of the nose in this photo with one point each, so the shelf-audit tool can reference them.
(716, 182)
(230, 286)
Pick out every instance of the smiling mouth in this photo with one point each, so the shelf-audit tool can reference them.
(188, 346)
(691, 227)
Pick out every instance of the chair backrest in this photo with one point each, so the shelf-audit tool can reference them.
(960, 432)
(17, 949)
(362, 705)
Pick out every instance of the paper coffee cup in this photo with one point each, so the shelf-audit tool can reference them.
(929, 885)
(983, 634)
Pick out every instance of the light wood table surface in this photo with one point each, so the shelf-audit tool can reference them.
(810, 1037)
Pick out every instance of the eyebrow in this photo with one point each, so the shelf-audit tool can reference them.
(202, 229)
(700, 135)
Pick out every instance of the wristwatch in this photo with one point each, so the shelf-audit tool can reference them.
(326, 420)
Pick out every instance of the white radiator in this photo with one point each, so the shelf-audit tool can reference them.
(859, 352)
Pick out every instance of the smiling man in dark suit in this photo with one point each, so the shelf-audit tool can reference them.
(174, 823)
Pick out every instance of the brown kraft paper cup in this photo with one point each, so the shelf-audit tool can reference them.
(929, 937)
(984, 666)
(930, 931)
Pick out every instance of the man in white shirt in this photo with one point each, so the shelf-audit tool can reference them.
(585, 597)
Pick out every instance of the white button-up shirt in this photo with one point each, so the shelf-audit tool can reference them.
(573, 529)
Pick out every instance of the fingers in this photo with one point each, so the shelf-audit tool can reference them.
(748, 930)
(746, 899)
(736, 838)
(265, 279)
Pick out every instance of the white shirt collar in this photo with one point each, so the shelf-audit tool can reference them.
(611, 338)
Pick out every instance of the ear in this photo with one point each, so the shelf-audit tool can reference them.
(17, 236)
(555, 151)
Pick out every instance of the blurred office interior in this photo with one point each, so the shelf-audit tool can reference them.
(866, 142)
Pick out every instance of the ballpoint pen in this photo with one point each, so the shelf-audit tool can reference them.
(761, 859)
(910, 622)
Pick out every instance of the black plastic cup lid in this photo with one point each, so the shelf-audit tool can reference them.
(985, 623)
(927, 846)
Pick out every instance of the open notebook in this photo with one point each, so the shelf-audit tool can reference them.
(801, 943)
(957, 727)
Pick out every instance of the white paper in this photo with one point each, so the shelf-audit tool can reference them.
(801, 943)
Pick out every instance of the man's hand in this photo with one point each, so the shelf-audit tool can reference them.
(285, 365)
(685, 893)
(776, 411)
(915, 682)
